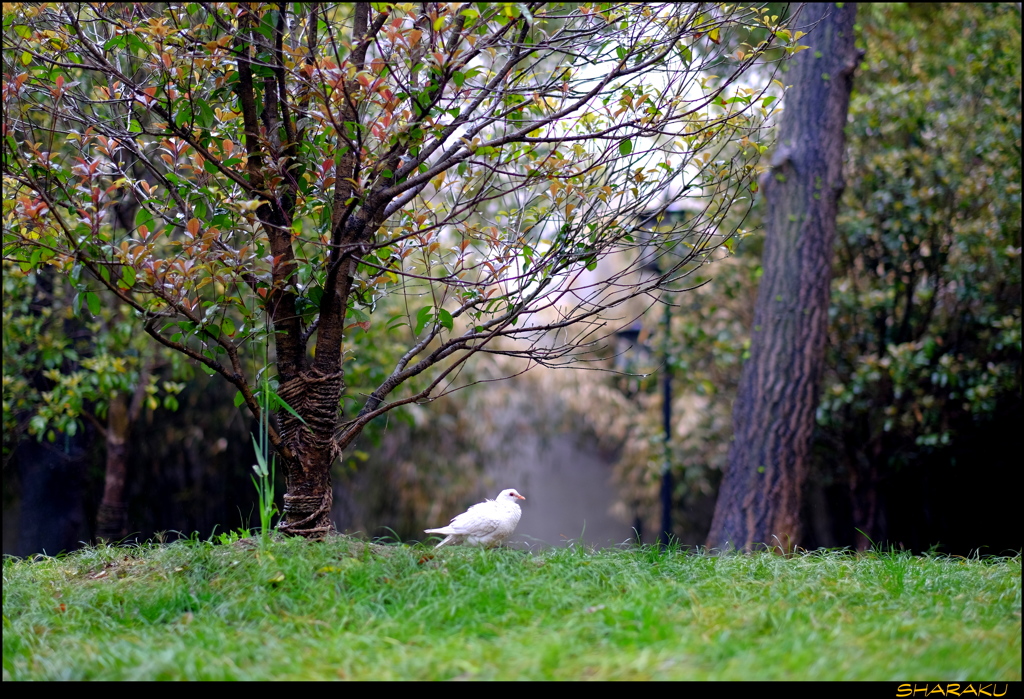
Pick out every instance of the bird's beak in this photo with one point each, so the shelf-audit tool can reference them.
(520, 496)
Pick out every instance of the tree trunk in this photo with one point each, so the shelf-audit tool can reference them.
(112, 516)
(308, 492)
(761, 494)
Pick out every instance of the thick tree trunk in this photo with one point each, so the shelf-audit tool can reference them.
(761, 494)
(308, 492)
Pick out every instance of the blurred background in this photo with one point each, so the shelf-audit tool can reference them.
(916, 443)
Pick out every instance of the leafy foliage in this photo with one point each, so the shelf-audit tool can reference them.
(926, 319)
(59, 370)
(481, 174)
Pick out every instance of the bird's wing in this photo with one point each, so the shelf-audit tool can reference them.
(479, 520)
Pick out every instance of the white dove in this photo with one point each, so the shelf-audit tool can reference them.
(486, 524)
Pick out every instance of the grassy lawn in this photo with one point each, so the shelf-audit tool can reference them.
(342, 609)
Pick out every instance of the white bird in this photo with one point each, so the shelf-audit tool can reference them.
(486, 524)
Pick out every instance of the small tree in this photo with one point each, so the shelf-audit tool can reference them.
(107, 375)
(294, 166)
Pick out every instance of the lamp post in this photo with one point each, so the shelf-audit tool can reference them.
(666, 422)
(631, 336)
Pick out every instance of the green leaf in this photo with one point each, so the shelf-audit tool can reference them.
(239, 399)
(137, 44)
(127, 278)
(261, 467)
(93, 301)
(279, 402)
(37, 425)
(116, 42)
(445, 318)
(626, 147)
(424, 316)
(205, 116)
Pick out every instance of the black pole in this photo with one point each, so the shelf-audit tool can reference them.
(652, 265)
(666, 415)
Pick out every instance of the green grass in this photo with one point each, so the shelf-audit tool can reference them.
(342, 609)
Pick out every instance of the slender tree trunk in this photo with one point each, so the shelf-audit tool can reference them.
(760, 499)
(112, 516)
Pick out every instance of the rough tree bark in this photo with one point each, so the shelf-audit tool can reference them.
(761, 494)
